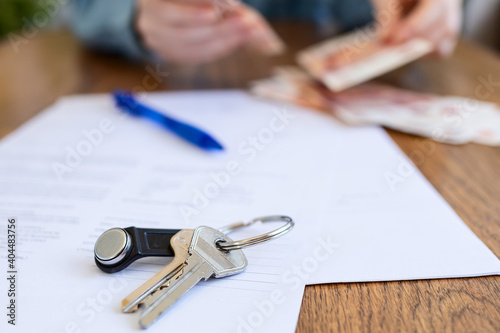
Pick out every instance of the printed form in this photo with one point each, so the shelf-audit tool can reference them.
(81, 167)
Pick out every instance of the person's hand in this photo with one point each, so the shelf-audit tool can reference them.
(187, 32)
(193, 32)
(438, 21)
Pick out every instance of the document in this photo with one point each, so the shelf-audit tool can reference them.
(81, 167)
(388, 222)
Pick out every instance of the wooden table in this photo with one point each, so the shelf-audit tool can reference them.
(54, 64)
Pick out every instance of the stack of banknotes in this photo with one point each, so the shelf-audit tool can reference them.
(332, 80)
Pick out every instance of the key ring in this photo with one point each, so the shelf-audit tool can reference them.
(117, 248)
(236, 245)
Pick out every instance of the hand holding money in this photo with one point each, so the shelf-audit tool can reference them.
(336, 69)
(437, 21)
(345, 61)
(197, 31)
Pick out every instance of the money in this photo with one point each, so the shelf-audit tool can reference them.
(290, 84)
(346, 61)
(449, 119)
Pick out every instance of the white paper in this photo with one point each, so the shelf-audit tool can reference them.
(138, 174)
(292, 161)
(388, 222)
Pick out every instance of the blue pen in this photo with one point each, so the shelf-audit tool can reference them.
(126, 102)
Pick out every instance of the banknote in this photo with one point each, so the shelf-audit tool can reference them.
(348, 60)
(449, 119)
(290, 84)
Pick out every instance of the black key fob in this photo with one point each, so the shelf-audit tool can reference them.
(117, 248)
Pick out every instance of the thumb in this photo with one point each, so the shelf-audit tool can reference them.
(387, 15)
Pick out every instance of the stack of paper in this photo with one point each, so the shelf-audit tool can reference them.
(362, 211)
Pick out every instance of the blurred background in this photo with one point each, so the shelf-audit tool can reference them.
(481, 21)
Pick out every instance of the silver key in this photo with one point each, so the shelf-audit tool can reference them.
(180, 243)
(205, 261)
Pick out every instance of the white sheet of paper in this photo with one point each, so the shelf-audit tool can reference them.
(283, 160)
(388, 222)
(138, 174)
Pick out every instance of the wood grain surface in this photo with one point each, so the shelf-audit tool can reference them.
(53, 64)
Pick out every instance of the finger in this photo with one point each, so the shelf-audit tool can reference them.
(442, 38)
(222, 7)
(446, 47)
(424, 15)
(203, 34)
(443, 31)
(444, 43)
(204, 45)
(387, 15)
(182, 14)
(220, 47)
(449, 42)
(179, 36)
(263, 37)
(210, 50)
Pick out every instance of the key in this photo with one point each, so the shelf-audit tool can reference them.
(205, 261)
(180, 243)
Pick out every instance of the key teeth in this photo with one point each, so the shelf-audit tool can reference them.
(126, 308)
(180, 243)
(197, 267)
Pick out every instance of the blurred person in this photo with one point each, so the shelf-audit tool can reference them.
(198, 31)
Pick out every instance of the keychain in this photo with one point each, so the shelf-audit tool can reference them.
(198, 255)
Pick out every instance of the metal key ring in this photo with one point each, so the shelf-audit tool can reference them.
(236, 245)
